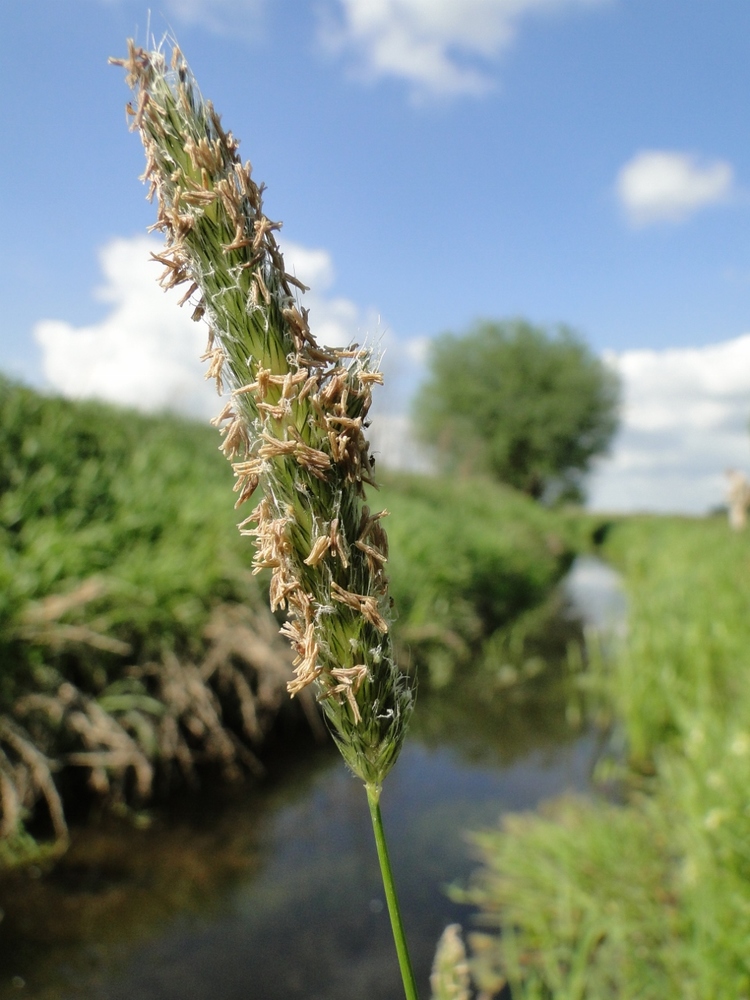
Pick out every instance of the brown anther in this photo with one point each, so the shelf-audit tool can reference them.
(262, 227)
(216, 359)
(310, 384)
(375, 556)
(296, 282)
(367, 606)
(249, 487)
(247, 475)
(316, 462)
(239, 241)
(355, 423)
(281, 587)
(143, 98)
(198, 196)
(176, 271)
(332, 392)
(188, 293)
(260, 284)
(277, 411)
(251, 387)
(306, 662)
(227, 413)
(235, 438)
(350, 681)
(318, 551)
(263, 380)
(368, 520)
(273, 448)
(338, 443)
(338, 543)
(243, 176)
(367, 378)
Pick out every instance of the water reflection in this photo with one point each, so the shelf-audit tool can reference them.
(118, 882)
(597, 595)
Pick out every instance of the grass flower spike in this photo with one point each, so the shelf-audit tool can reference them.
(294, 423)
(293, 427)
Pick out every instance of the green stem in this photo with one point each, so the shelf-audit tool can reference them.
(407, 974)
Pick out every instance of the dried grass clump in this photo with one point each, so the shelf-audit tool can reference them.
(160, 722)
(41, 624)
(26, 777)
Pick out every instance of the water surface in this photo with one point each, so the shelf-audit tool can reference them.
(273, 892)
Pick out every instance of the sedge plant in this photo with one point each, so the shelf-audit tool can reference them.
(293, 428)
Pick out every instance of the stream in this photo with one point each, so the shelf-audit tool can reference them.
(274, 891)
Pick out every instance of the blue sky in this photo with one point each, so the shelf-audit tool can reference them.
(434, 161)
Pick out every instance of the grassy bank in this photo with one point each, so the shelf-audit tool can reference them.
(468, 559)
(135, 644)
(651, 898)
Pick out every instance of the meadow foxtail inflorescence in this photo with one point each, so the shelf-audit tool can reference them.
(294, 423)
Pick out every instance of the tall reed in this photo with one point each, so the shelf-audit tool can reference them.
(293, 426)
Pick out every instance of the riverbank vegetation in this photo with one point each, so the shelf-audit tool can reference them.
(644, 893)
(135, 642)
(131, 630)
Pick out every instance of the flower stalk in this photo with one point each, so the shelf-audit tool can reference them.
(294, 422)
(394, 910)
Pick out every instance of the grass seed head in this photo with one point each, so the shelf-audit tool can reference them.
(294, 426)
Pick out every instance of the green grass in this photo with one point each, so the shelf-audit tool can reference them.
(468, 557)
(144, 505)
(650, 898)
(690, 631)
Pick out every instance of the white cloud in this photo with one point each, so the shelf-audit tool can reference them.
(441, 47)
(685, 414)
(661, 186)
(144, 353)
(685, 421)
